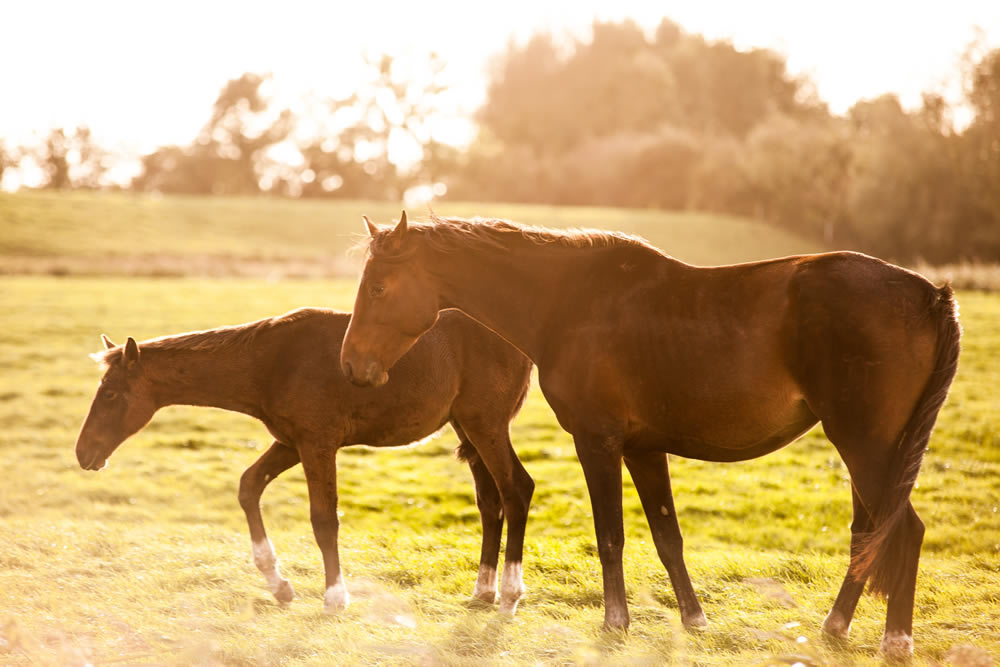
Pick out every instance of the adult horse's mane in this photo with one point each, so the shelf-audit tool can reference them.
(449, 235)
(237, 335)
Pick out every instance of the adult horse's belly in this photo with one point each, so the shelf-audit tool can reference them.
(721, 419)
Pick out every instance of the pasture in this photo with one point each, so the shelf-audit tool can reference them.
(149, 561)
(82, 233)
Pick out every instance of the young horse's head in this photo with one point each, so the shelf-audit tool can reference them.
(396, 303)
(123, 405)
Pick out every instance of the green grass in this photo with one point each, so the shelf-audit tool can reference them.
(116, 233)
(149, 560)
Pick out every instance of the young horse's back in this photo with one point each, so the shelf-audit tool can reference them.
(458, 357)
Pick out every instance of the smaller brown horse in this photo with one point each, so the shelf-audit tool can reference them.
(285, 372)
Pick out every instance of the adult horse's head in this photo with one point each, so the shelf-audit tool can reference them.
(396, 303)
(123, 405)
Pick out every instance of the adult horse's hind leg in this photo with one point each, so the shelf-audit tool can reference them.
(515, 486)
(838, 621)
(490, 513)
(276, 460)
(651, 475)
(898, 638)
(869, 476)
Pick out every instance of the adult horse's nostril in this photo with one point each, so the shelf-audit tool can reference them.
(345, 366)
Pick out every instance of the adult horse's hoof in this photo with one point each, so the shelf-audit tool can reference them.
(836, 626)
(285, 593)
(616, 620)
(897, 646)
(695, 621)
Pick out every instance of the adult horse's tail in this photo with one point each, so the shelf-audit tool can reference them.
(878, 557)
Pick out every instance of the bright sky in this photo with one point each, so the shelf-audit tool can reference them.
(142, 74)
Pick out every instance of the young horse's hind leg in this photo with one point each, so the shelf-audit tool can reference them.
(277, 459)
(838, 621)
(490, 513)
(515, 486)
(651, 475)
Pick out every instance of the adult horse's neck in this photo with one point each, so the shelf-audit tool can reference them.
(512, 291)
(219, 376)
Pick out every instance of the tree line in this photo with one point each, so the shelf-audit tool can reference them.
(622, 118)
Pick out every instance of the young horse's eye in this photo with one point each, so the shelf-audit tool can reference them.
(110, 395)
(376, 290)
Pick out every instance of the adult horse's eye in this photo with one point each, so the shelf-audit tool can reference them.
(110, 395)
(376, 291)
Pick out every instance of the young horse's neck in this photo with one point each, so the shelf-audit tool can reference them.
(217, 378)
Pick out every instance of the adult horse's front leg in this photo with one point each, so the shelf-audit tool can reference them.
(276, 460)
(320, 465)
(601, 458)
(651, 476)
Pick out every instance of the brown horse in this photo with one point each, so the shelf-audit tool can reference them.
(640, 355)
(285, 372)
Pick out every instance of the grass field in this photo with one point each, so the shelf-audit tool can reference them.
(113, 233)
(149, 561)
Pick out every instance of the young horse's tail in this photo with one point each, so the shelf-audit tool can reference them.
(878, 557)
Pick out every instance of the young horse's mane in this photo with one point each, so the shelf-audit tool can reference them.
(237, 335)
(451, 235)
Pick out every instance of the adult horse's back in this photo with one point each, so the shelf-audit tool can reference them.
(641, 355)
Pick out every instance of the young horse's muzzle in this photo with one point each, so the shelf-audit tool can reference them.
(91, 458)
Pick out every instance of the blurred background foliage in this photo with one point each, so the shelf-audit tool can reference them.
(627, 118)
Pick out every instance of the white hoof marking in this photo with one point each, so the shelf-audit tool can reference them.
(836, 625)
(486, 584)
(897, 645)
(511, 588)
(267, 562)
(336, 597)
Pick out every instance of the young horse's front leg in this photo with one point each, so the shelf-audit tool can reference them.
(320, 465)
(651, 476)
(601, 458)
(276, 460)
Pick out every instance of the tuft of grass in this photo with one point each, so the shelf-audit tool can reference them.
(149, 561)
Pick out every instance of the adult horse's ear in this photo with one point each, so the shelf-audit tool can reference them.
(372, 228)
(401, 227)
(131, 353)
(107, 342)
(395, 238)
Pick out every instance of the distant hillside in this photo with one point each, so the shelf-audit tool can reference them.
(118, 233)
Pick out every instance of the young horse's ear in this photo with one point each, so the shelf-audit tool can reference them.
(107, 342)
(372, 228)
(131, 353)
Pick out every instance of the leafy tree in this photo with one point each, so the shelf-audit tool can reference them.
(226, 156)
(352, 155)
(71, 159)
